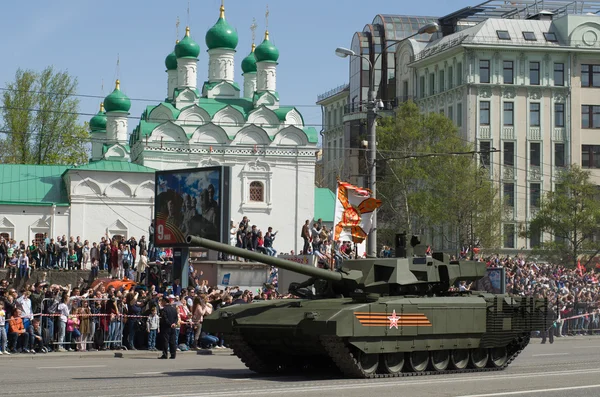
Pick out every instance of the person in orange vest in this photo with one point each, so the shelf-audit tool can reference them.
(17, 336)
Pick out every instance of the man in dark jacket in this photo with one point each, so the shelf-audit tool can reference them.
(168, 322)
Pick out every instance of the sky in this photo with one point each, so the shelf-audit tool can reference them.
(87, 37)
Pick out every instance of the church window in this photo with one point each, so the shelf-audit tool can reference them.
(257, 192)
(38, 238)
(5, 235)
(118, 237)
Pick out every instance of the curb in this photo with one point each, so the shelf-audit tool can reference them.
(113, 354)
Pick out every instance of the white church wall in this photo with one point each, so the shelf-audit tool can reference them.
(22, 222)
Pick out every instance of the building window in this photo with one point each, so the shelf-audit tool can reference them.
(509, 194)
(509, 113)
(257, 192)
(535, 237)
(421, 86)
(431, 83)
(534, 73)
(484, 153)
(534, 114)
(559, 74)
(459, 114)
(529, 36)
(590, 156)
(508, 72)
(341, 149)
(535, 190)
(484, 71)
(38, 238)
(459, 73)
(484, 113)
(559, 115)
(450, 113)
(118, 237)
(559, 154)
(535, 154)
(6, 236)
(503, 34)
(551, 37)
(509, 235)
(590, 116)
(441, 81)
(590, 75)
(509, 154)
(450, 77)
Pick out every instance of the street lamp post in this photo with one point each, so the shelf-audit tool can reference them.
(372, 106)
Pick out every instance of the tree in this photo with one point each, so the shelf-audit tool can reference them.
(571, 216)
(40, 120)
(431, 181)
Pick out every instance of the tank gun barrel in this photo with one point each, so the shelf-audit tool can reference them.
(269, 260)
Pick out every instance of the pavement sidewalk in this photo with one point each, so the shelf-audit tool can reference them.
(113, 353)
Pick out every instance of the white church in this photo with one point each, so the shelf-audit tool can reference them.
(271, 152)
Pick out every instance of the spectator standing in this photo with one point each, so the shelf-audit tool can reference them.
(23, 265)
(169, 320)
(269, 239)
(85, 254)
(3, 337)
(152, 327)
(305, 234)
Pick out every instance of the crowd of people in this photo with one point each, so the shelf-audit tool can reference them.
(42, 317)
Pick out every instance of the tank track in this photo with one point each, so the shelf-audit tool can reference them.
(248, 355)
(343, 358)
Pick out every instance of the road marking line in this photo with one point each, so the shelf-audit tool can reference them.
(521, 392)
(550, 354)
(148, 373)
(585, 347)
(73, 366)
(363, 385)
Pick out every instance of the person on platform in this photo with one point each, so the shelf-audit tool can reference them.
(168, 323)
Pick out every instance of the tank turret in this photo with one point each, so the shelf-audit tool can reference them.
(413, 274)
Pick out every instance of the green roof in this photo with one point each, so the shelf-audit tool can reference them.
(324, 204)
(41, 185)
(311, 134)
(114, 166)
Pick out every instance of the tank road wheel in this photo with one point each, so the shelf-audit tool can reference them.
(459, 359)
(393, 362)
(479, 358)
(368, 362)
(440, 359)
(418, 361)
(498, 357)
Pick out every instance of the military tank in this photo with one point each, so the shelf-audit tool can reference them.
(379, 317)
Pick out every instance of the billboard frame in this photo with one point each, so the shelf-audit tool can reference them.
(224, 198)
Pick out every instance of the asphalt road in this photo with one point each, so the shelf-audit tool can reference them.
(571, 366)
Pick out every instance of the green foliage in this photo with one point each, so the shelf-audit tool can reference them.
(424, 186)
(571, 216)
(39, 114)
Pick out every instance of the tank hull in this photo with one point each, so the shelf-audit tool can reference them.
(347, 335)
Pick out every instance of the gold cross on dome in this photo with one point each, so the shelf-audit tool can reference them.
(253, 29)
(267, 17)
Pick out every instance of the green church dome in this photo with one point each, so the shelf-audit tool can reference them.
(249, 63)
(266, 52)
(187, 48)
(98, 122)
(171, 60)
(116, 101)
(222, 35)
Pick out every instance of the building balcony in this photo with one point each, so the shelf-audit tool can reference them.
(535, 173)
(534, 134)
(485, 132)
(508, 173)
(508, 132)
(558, 134)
